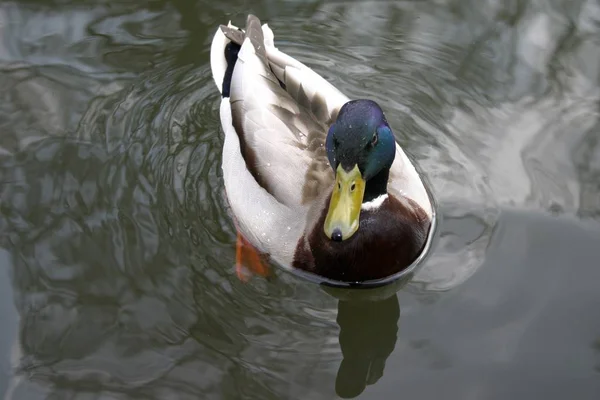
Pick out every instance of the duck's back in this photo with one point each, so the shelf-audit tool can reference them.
(281, 111)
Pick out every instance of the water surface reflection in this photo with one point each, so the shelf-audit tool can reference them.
(368, 332)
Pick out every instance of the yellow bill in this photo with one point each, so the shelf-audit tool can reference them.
(344, 208)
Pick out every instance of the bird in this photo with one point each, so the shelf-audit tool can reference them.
(315, 181)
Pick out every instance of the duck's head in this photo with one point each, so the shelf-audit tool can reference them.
(361, 149)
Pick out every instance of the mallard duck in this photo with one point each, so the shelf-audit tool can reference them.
(315, 181)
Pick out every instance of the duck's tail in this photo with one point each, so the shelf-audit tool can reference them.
(223, 55)
(226, 45)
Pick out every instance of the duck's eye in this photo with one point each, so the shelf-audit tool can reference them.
(374, 139)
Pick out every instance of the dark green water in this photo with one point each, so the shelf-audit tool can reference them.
(117, 252)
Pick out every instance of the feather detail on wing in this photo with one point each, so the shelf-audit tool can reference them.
(282, 118)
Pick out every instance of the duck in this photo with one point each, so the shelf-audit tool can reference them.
(315, 181)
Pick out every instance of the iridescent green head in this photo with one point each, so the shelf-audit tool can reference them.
(361, 149)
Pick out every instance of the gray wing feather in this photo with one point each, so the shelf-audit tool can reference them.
(234, 34)
(282, 127)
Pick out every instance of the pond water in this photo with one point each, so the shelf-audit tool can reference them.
(117, 251)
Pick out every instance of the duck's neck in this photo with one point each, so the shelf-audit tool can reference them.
(376, 186)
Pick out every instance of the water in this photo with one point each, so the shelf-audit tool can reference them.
(116, 278)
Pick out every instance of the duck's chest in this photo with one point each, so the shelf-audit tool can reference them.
(390, 237)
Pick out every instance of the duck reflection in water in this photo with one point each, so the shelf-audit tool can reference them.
(368, 333)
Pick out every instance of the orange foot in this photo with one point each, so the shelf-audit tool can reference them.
(248, 260)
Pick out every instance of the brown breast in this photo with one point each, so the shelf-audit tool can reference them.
(388, 240)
